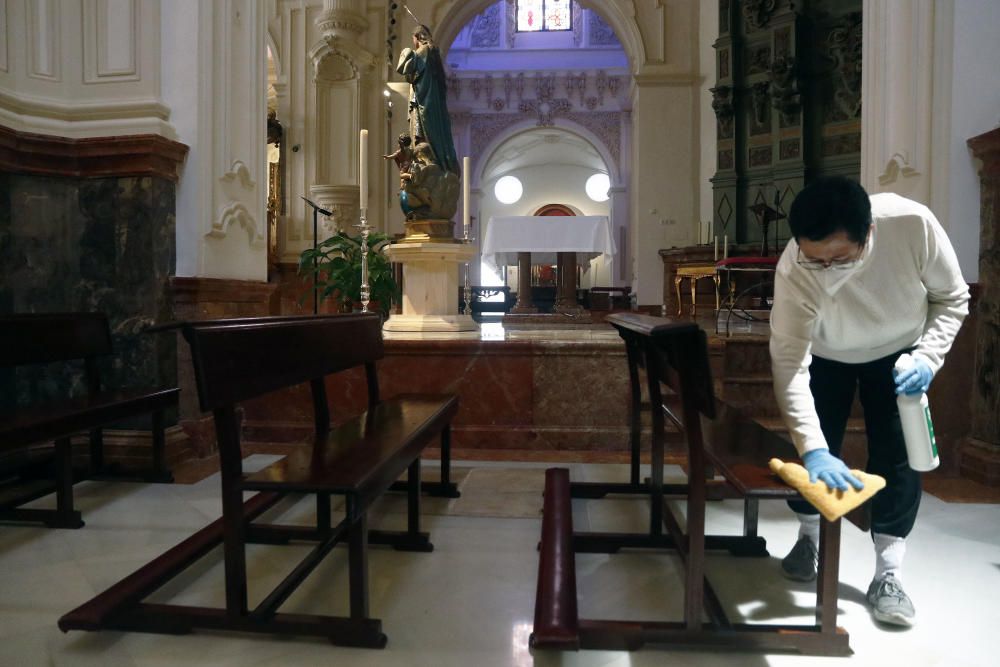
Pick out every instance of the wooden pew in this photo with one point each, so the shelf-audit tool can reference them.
(443, 488)
(46, 338)
(358, 460)
(716, 436)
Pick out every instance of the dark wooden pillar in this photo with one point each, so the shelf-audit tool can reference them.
(524, 303)
(980, 458)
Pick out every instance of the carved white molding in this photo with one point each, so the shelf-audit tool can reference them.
(341, 24)
(111, 38)
(22, 103)
(3, 36)
(897, 88)
(360, 59)
(239, 171)
(237, 214)
(44, 38)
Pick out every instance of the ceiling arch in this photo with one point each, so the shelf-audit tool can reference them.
(450, 16)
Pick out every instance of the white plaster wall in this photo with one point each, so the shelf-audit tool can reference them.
(214, 75)
(975, 109)
(664, 201)
(928, 85)
(82, 69)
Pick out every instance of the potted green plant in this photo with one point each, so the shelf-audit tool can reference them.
(335, 266)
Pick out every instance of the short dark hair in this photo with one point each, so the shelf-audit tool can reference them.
(830, 204)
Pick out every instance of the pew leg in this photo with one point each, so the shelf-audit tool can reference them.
(752, 545)
(64, 516)
(97, 450)
(445, 488)
(828, 576)
(413, 498)
(357, 562)
(159, 473)
(323, 514)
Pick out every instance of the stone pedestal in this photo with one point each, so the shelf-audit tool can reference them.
(431, 278)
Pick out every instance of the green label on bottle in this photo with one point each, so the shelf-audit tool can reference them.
(930, 430)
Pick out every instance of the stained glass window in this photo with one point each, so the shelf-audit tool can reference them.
(544, 15)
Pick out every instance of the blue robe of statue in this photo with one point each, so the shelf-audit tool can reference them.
(428, 102)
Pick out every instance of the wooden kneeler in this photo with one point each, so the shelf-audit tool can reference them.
(717, 435)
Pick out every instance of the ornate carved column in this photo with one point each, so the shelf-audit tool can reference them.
(338, 64)
(981, 454)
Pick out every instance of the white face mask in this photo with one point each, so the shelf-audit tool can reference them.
(833, 279)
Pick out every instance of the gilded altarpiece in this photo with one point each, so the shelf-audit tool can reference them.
(787, 101)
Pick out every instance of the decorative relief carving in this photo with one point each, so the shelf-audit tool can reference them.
(614, 85)
(841, 144)
(844, 53)
(789, 149)
(498, 104)
(606, 125)
(758, 59)
(477, 88)
(723, 16)
(455, 86)
(760, 156)
(723, 63)
(486, 31)
(760, 117)
(784, 90)
(511, 22)
(782, 42)
(488, 85)
(508, 87)
(601, 84)
(722, 103)
(546, 109)
(601, 34)
(577, 20)
(484, 128)
(757, 13)
(240, 171)
(237, 213)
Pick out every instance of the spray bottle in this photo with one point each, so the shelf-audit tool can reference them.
(918, 431)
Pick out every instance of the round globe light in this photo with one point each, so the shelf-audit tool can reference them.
(597, 187)
(508, 190)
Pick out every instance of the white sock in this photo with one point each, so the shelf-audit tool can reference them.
(809, 527)
(889, 552)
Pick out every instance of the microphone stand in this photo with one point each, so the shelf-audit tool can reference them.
(316, 211)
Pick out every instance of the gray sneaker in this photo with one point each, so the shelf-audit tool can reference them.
(800, 563)
(889, 603)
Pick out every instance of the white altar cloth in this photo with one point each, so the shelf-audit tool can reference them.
(543, 236)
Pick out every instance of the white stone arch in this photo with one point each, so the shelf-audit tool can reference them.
(448, 17)
(615, 171)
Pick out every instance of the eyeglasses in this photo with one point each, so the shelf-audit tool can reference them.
(835, 264)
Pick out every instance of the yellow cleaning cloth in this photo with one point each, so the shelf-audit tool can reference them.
(831, 503)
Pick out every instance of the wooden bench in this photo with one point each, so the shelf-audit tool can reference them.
(46, 338)
(717, 437)
(358, 460)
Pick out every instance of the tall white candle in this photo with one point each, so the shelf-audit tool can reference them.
(466, 193)
(363, 170)
(725, 246)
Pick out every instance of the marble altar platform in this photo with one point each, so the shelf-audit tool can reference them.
(525, 390)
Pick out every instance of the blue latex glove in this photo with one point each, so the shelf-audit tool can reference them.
(826, 467)
(916, 379)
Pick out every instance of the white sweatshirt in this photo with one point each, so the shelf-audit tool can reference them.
(907, 291)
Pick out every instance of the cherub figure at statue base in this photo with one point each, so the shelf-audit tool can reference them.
(428, 196)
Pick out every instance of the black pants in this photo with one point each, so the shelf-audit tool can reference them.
(894, 508)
